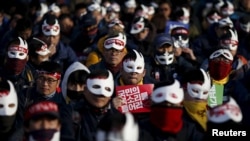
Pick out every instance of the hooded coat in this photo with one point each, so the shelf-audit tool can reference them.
(72, 68)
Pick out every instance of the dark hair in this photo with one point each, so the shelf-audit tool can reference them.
(15, 41)
(98, 74)
(114, 33)
(178, 12)
(110, 121)
(244, 19)
(35, 4)
(87, 20)
(193, 75)
(64, 16)
(78, 77)
(4, 85)
(130, 55)
(50, 19)
(33, 45)
(80, 6)
(164, 83)
(165, 1)
(146, 21)
(50, 66)
(227, 34)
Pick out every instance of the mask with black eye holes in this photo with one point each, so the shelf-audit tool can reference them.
(180, 40)
(164, 58)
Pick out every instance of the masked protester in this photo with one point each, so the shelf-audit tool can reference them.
(220, 65)
(74, 82)
(229, 40)
(86, 37)
(8, 102)
(197, 84)
(42, 122)
(166, 116)
(50, 34)
(97, 54)
(165, 65)
(133, 70)
(73, 85)
(15, 66)
(183, 14)
(96, 103)
(113, 52)
(141, 36)
(183, 47)
(38, 53)
(47, 88)
(220, 69)
(226, 117)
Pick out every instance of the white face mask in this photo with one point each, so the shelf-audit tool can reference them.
(230, 43)
(200, 91)
(165, 59)
(180, 42)
(172, 93)
(136, 65)
(245, 27)
(229, 10)
(186, 17)
(18, 51)
(225, 112)
(213, 18)
(101, 86)
(118, 42)
(8, 100)
(51, 30)
(224, 52)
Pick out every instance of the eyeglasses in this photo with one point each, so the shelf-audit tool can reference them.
(42, 79)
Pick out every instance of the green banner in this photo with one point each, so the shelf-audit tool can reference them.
(215, 96)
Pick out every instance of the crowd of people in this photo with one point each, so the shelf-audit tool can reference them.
(124, 70)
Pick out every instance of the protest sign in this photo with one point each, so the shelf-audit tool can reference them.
(135, 98)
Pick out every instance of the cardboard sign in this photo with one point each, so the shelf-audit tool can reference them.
(135, 98)
(215, 96)
(171, 24)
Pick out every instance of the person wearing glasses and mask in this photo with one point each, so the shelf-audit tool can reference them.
(164, 64)
(113, 53)
(47, 88)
